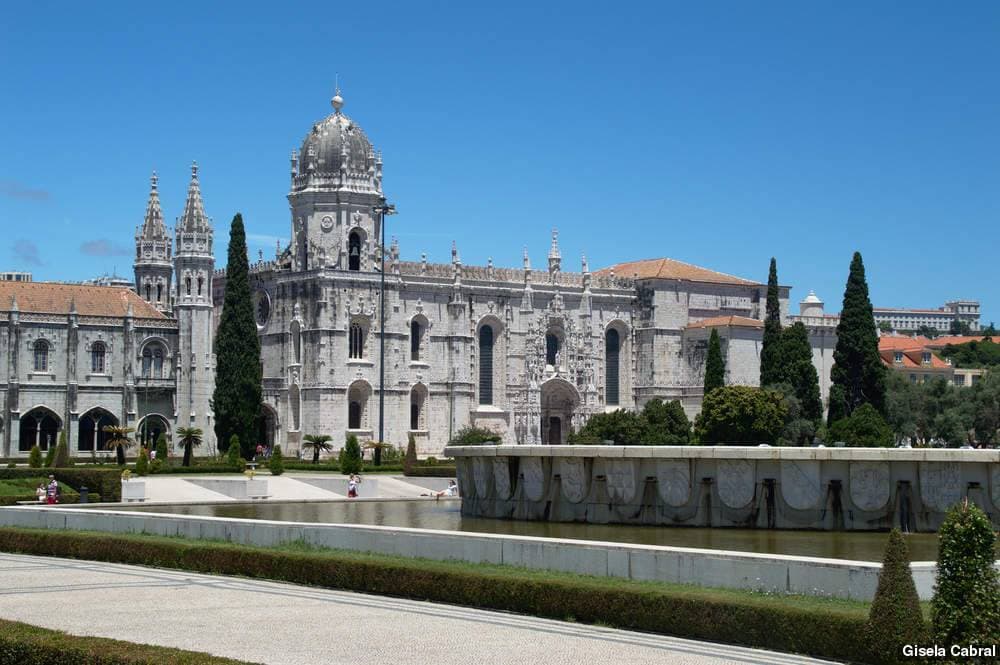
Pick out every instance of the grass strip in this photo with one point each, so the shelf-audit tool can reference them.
(827, 628)
(24, 644)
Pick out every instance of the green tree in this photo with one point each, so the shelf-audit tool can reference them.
(35, 457)
(410, 460)
(973, 354)
(858, 375)
(318, 443)
(885, 326)
(470, 435)
(62, 458)
(770, 352)
(990, 330)
(350, 456)
(865, 428)
(190, 438)
(741, 415)
(233, 456)
(276, 464)
(959, 328)
(162, 450)
(895, 617)
(664, 423)
(928, 332)
(119, 441)
(142, 463)
(966, 604)
(50, 456)
(237, 398)
(798, 430)
(715, 366)
(795, 367)
(619, 426)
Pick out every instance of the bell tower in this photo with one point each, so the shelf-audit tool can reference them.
(153, 262)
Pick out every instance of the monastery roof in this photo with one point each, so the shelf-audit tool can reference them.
(55, 298)
(726, 321)
(672, 269)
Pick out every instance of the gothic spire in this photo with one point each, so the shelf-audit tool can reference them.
(555, 258)
(153, 227)
(193, 219)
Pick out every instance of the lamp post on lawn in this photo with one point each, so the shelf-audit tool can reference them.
(383, 209)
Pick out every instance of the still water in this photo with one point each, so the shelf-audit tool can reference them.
(445, 516)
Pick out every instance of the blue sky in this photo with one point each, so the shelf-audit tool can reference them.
(719, 133)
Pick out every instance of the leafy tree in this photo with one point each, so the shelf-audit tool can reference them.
(858, 375)
(142, 463)
(865, 428)
(471, 435)
(318, 443)
(795, 367)
(190, 438)
(973, 354)
(61, 460)
(895, 617)
(715, 366)
(50, 456)
(966, 604)
(798, 430)
(620, 426)
(985, 406)
(741, 415)
(410, 460)
(237, 397)
(770, 352)
(119, 441)
(990, 330)
(350, 456)
(885, 326)
(959, 328)
(233, 457)
(928, 332)
(162, 450)
(35, 457)
(276, 464)
(664, 423)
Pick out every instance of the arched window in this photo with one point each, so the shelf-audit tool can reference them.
(551, 349)
(415, 334)
(354, 252)
(38, 427)
(91, 431)
(97, 353)
(41, 356)
(357, 405)
(612, 350)
(356, 341)
(148, 298)
(354, 415)
(187, 285)
(201, 283)
(486, 365)
(152, 362)
(158, 362)
(418, 401)
(159, 293)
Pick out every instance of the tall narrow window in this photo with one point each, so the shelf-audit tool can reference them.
(148, 296)
(201, 283)
(159, 293)
(414, 341)
(612, 348)
(187, 285)
(97, 358)
(354, 252)
(41, 356)
(158, 363)
(147, 362)
(486, 365)
(354, 415)
(356, 341)
(551, 349)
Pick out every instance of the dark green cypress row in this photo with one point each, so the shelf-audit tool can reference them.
(715, 366)
(797, 370)
(237, 398)
(770, 353)
(858, 375)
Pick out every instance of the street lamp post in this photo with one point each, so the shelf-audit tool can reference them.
(383, 209)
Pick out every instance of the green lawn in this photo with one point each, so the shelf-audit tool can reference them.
(26, 486)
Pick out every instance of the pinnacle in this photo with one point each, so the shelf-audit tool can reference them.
(153, 227)
(193, 219)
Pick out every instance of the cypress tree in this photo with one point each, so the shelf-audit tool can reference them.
(770, 350)
(895, 617)
(237, 397)
(858, 375)
(796, 369)
(715, 366)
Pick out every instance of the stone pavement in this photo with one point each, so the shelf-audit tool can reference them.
(292, 486)
(268, 622)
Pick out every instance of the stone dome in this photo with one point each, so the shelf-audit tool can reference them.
(336, 153)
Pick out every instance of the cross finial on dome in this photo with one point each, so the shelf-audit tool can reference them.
(153, 180)
(194, 170)
(337, 102)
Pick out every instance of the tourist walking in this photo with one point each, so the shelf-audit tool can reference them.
(52, 495)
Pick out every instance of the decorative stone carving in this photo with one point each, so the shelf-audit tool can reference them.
(621, 475)
(940, 484)
(501, 477)
(800, 484)
(326, 223)
(673, 481)
(995, 484)
(481, 474)
(736, 482)
(575, 479)
(534, 478)
(869, 485)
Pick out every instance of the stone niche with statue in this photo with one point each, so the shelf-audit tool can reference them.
(853, 489)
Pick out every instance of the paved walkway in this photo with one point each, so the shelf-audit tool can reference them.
(292, 486)
(305, 626)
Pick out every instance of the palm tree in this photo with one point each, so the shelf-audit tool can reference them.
(119, 440)
(317, 442)
(189, 437)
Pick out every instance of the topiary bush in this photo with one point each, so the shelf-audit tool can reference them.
(895, 617)
(276, 464)
(471, 436)
(142, 463)
(966, 605)
(350, 456)
(410, 460)
(233, 457)
(162, 450)
(35, 457)
(50, 456)
(61, 457)
(865, 428)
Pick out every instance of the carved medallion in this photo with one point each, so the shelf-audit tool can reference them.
(869, 485)
(482, 474)
(940, 484)
(501, 477)
(736, 480)
(673, 481)
(800, 484)
(622, 482)
(534, 478)
(575, 479)
(326, 223)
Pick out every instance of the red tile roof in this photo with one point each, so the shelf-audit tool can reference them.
(726, 321)
(671, 269)
(54, 298)
(945, 340)
(899, 342)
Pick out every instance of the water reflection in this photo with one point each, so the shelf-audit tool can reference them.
(445, 516)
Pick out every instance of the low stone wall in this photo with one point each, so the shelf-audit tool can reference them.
(727, 486)
(711, 568)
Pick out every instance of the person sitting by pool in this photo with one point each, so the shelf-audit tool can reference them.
(451, 490)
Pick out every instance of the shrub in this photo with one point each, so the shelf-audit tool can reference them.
(443, 471)
(471, 436)
(350, 456)
(620, 426)
(35, 457)
(61, 458)
(865, 427)
(895, 617)
(162, 450)
(142, 463)
(50, 456)
(741, 415)
(276, 464)
(233, 458)
(410, 460)
(966, 604)
(665, 423)
(155, 465)
(106, 481)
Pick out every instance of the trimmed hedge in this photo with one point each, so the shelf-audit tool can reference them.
(771, 622)
(24, 644)
(443, 471)
(105, 482)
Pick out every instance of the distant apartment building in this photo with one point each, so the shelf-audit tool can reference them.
(110, 280)
(917, 359)
(911, 320)
(11, 276)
